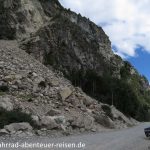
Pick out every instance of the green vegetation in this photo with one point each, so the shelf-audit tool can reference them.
(4, 88)
(14, 116)
(107, 110)
(49, 59)
(127, 93)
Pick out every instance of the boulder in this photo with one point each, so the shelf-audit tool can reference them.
(6, 103)
(60, 119)
(14, 127)
(65, 93)
(9, 78)
(104, 120)
(88, 122)
(83, 121)
(53, 112)
(54, 82)
(36, 119)
(88, 101)
(39, 80)
(3, 132)
(49, 122)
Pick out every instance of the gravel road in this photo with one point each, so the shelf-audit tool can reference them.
(126, 139)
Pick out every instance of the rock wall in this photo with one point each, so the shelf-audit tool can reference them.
(55, 35)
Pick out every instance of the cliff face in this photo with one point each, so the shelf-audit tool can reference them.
(56, 36)
(74, 45)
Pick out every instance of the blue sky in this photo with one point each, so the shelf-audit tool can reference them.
(127, 24)
(141, 62)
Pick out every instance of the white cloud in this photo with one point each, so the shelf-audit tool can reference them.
(126, 22)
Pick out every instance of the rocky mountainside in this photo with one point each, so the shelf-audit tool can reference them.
(53, 104)
(56, 36)
(73, 45)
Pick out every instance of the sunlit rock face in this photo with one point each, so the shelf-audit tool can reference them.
(18, 18)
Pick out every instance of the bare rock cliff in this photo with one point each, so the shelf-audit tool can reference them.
(56, 36)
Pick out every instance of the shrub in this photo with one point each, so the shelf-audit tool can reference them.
(4, 88)
(107, 110)
(14, 116)
(2, 93)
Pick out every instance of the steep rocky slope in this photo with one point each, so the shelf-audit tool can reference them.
(72, 44)
(53, 103)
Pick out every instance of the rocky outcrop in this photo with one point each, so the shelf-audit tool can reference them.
(6, 103)
(105, 120)
(56, 36)
(83, 121)
(22, 129)
(49, 122)
(65, 93)
(20, 17)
